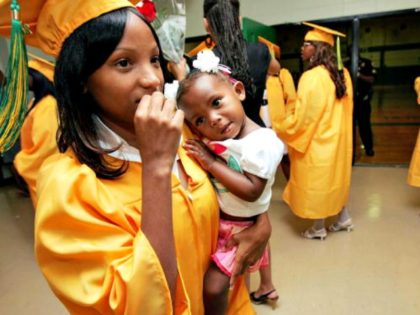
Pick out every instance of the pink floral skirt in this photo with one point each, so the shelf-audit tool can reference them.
(225, 259)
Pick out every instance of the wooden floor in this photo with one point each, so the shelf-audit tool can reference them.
(395, 124)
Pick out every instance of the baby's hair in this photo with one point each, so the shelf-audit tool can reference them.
(188, 82)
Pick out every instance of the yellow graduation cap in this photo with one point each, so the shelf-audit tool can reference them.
(326, 35)
(51, 22)
(205, 44)
(321, 33)
(274, 49)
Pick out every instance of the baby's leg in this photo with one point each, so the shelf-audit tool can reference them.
(216, 289)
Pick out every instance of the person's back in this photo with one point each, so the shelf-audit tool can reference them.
(248, 61)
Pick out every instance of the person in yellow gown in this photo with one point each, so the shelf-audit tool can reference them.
(413, 178)
(39, 130)
(125, 221)
(318, 132)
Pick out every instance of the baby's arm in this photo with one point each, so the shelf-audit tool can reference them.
(245, 186)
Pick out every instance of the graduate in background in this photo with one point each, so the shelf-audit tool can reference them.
(280, 92)
(318, 132)
(413, 178)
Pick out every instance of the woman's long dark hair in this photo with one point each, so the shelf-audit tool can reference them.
(223, 19)
(83, 52)
(325, 55)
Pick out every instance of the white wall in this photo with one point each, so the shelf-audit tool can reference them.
(272, 12)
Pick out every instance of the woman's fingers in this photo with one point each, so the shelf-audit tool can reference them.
(158, 128)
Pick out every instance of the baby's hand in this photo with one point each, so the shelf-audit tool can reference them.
(198, 150)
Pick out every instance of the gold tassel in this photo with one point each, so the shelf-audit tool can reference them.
(339, 59)
(14, 92)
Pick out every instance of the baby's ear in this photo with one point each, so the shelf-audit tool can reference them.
(239, 89)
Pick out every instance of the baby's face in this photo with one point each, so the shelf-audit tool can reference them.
(213, 107)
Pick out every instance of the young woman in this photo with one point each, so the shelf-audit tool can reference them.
(318, 132)
(125, 221)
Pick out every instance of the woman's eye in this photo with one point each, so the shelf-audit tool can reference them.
(123, 63)
(156, 59)
(199, 121)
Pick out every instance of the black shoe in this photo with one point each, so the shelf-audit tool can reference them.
(370, 152)
(264, 298)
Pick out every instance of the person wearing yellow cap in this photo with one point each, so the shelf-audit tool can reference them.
(39, 130)
(318, 132)
(413, 178)
(125, 221)
(281, 91)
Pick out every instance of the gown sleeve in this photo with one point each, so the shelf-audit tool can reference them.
(38, 141)
(90, 248)
(301, 120)
(289, 89)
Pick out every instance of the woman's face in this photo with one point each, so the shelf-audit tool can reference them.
(130, 72)
(213, 107)
(307, 51)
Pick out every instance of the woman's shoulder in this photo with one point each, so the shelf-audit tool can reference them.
(63, 169)
(315, 75)
(318, 70)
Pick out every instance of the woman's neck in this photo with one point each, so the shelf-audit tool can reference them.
(124, 131)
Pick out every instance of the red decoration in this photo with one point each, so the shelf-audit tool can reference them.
(148, 9)
(217, 148)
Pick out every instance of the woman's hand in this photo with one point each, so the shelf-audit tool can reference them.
(199, 151)
(158, 127)
(251, 244)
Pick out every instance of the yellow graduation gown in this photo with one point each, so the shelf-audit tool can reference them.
(91, 249)
(289, 89)
(275, 99)
(38, 141)
(318, 131)
(414, 170)
(281, 92)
